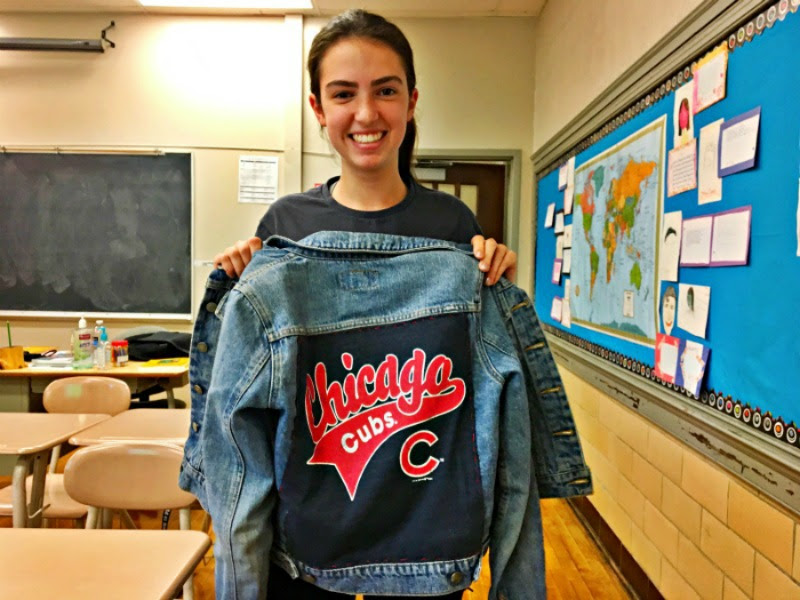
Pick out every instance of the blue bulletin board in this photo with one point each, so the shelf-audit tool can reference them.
(752, 328)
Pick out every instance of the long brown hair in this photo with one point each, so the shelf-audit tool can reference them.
(357, 23)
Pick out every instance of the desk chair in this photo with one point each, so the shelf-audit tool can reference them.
(74, 395)
(129, 476)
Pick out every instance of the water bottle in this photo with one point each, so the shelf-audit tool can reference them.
(98, 328)
(103, 353)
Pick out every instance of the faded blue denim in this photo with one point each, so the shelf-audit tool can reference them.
(245, 408)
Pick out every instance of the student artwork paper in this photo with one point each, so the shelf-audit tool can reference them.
(709, 78)
(710, 185)
(559, 222)
(682, 169)
(696, 242)
(569, 191)
(566, 263)
(692, 361)
(566, 315)
(562, 177)
(555, 310)
(670, 249)
(738, 142)
(683, 115)
(560, 247)
(730, 237)
(693, 303)
(556, 277)
(666, 357)
(568, 236)
(669, 306)
(551, 211)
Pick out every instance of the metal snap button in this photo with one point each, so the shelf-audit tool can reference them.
(211, 306)
(456, 578)
(197, 389)
(202, 347)
(195, 427)
(309, 578)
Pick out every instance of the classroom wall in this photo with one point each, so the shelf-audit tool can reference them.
(697, 531)
(225, 86)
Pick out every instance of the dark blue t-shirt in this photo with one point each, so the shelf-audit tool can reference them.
(422, 213)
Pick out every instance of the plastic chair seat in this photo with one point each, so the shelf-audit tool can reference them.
(61, 506)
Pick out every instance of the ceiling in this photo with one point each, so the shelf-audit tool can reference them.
(389, 8)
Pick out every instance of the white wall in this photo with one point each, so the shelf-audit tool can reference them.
(223, 86)
(582, 47)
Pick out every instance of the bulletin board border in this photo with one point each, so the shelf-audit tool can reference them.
(760, 448)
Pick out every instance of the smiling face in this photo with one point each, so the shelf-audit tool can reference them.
(668, 310)
(364, 103)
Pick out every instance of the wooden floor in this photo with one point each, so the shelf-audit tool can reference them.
(576, 569)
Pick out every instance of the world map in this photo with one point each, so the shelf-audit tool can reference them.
(617, 205)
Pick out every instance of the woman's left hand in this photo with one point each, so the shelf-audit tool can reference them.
(496, 260)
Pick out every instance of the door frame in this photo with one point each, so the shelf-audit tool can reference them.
(513, 161)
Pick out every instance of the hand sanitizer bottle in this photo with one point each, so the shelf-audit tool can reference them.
(82, 346)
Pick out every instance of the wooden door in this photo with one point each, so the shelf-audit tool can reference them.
(482, 187)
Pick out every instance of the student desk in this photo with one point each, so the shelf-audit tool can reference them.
(167, 426)
(76, 564)
(30, 437)
(17, 386)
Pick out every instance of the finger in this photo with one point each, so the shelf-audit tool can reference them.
(255, 243)
(490, 247)
(511, 271)
(223, 261)
(478, 242)
(243, 249)
(498, 264)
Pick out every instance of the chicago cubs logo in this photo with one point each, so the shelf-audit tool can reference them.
(359, 414)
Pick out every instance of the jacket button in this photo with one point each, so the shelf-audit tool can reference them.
(309, 578)
(202, 347)
(211, 307)
(197, 389)
(456, 578)
(195, 427)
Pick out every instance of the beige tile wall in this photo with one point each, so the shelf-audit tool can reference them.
(697, 531)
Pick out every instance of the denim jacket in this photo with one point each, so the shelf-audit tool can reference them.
(370, 417)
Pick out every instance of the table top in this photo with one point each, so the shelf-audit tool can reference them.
(29, 433)
(132, 369)
(97, 563)
(142, 424)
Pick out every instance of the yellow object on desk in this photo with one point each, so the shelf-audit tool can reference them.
(12, 357)
(182, 361)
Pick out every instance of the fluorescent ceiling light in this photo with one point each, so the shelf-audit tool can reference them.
(252, 4)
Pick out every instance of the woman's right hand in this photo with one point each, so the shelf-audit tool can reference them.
(235, 258)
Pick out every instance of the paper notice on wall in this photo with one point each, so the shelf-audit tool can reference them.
(548, 219)
(693, 304)
(710, 185)
(670, 249)
(730, 238)
(709, 78)
(683, 115)
(682, 169)
(258, 179)
(696, 242)
(569, 191)
(738, 142)
(566, 314)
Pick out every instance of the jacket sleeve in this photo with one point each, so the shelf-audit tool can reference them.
(237, 443)
(516, 551)
(558, 459)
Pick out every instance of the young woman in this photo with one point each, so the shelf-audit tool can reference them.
(363, 92)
